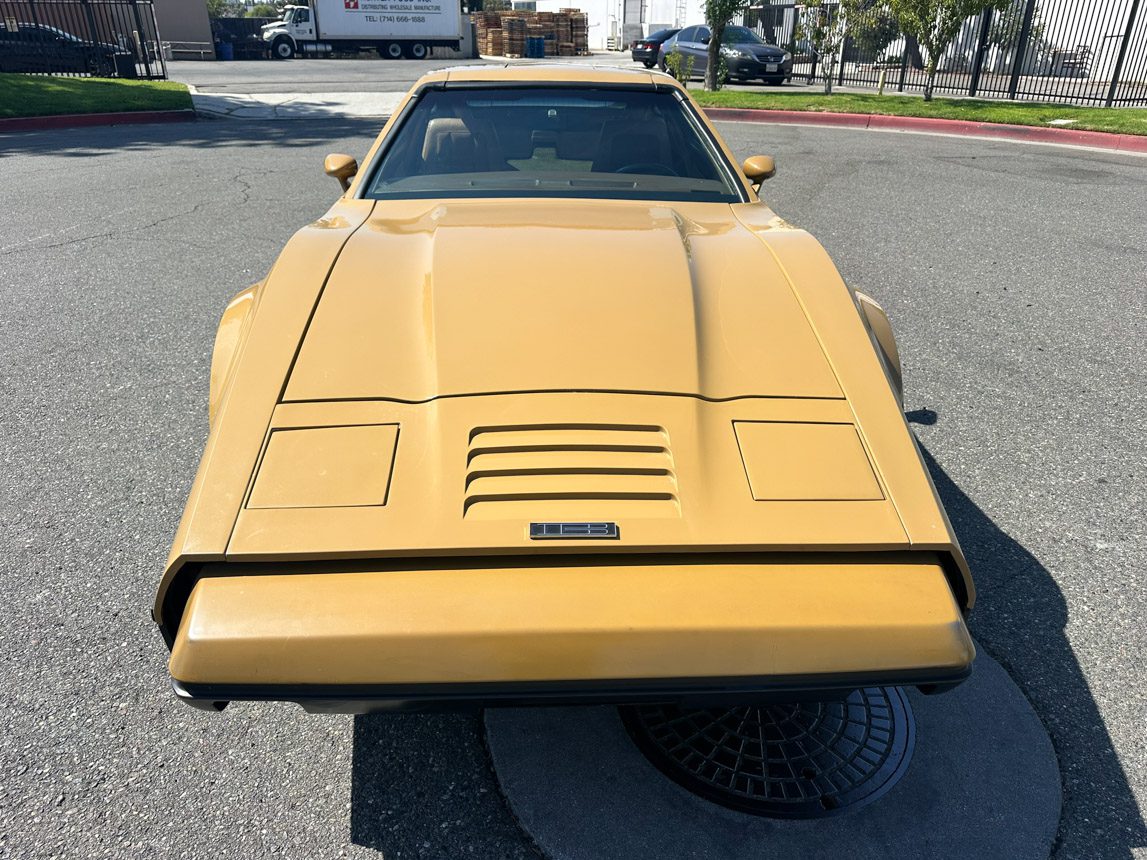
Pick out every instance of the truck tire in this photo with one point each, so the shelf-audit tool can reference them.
(282, 48)
(391, 51)
(416, 51)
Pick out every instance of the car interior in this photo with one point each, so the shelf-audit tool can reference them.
(550, 134)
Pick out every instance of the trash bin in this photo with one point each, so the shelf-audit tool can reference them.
(226, 51)
(125, 66)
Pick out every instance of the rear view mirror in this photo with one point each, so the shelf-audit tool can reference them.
(758, 168)
(341, 167)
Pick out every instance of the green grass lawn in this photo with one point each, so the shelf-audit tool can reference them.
(41, 95)
(1123, 120)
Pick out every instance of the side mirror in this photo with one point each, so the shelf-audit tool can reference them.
(759, 168)
(343, 168)
(705, 40)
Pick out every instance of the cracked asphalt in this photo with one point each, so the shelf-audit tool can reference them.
(1014, 276)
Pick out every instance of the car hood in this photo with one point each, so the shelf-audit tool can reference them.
(763, 51)
(482, 297)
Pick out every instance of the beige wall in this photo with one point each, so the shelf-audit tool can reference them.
(183, 21)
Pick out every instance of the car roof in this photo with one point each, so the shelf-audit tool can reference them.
(549, 73)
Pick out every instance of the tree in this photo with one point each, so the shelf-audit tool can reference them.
(825, 25)
(934, 24)
(218, 9)
(873, 32)
(718, 14)
(262, 10)
(1007, 27)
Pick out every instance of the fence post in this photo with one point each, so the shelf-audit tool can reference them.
(142, 39)
(1118, 70)
(903, 67)
(981, 49)
(1021, 48)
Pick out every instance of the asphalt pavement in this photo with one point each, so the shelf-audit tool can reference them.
(1014, 276)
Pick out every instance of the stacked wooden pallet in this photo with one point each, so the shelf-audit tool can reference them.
(579, 30)
(488, 29)
(514, 35)
(565, 32)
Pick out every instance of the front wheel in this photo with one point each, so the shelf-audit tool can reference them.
(649, 64)
(416, 51)
(101, 67)
(282, 49)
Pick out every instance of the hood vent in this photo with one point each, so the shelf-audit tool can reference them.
(570, 471)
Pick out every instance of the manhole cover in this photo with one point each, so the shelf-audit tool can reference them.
(798, 760)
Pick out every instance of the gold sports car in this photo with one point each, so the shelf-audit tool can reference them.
(550, 407)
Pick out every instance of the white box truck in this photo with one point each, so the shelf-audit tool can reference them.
(394, 28)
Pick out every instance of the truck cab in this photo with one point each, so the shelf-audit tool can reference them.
(287, 36)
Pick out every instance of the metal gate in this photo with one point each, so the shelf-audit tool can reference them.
(85, 38)
(1079, 51)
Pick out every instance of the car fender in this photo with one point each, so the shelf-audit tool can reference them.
(881, 328)
(228, 337)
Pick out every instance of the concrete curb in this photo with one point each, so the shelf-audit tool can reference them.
(958, 127)
(73, 120)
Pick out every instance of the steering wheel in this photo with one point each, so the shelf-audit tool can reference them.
(648, 167)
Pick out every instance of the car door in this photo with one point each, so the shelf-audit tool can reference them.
(699, 49)
(24, 51)
(303, 27)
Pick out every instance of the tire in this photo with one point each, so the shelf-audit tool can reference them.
(101, 67)
(649, 64)
(416, 51)
(391, 51)
(283, 48)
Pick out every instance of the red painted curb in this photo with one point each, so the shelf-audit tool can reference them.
(1069, 136)
(72, 120)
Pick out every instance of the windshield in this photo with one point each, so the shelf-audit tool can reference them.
(537, 141)
(288, 15)
(740, 36)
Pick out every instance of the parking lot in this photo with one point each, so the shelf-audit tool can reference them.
(1013, 275)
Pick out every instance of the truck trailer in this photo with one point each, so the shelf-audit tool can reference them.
(394, 28)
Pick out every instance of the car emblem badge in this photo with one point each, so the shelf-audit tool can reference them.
(591, 531)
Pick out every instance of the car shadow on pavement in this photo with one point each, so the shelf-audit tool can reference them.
(208, 134)
(1019, 618)
(422, 786)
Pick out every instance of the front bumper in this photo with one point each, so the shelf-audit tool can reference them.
(361, 638)
(751, 67)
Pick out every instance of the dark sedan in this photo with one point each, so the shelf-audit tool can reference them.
(26, 47)
(747, 56)
(646, 50)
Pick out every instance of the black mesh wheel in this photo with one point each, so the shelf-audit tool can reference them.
(799, 760)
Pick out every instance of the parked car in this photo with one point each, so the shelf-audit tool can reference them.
(747, 55)
(645, 51)
(459, 454)
(40, 48)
